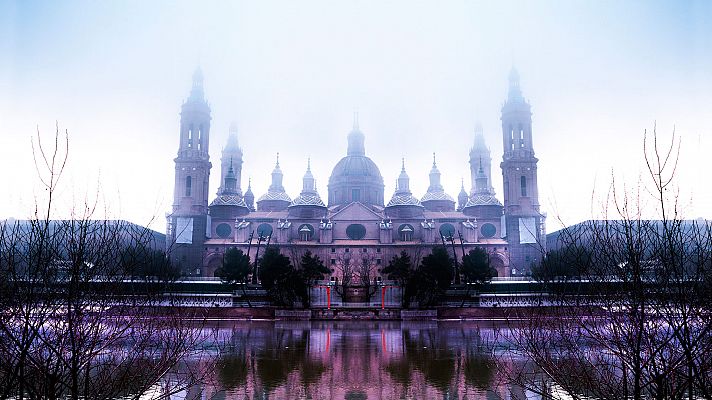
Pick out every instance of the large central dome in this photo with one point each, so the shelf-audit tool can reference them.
(356, 177)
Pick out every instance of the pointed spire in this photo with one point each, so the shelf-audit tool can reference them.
(434, 169)
(309, 195)
(481, 181)
(356, 140)
(515, 92)
(276, 178)
(230, 182)
(479, 137)
(435, 185)
(309, 183)
(462, 196)
(232, 143)
(403, 181)
(249, 196)
(197, 92)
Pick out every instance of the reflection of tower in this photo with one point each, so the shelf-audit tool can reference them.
(524, 222)
(187, 223)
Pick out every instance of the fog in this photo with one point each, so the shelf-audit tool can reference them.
(292, 74)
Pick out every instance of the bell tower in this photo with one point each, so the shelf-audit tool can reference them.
(524, 223)
(188, 221)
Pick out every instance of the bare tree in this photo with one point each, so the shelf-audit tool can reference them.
(345, 270)
(366, 273)
(639, 324)
(72, 326)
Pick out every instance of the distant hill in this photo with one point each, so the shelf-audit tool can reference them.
(128, 231)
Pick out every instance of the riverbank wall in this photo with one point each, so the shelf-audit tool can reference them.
(362, 314)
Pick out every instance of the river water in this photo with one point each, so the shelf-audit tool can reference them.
(356, 361)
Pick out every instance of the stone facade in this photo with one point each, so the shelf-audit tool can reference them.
(356, 228)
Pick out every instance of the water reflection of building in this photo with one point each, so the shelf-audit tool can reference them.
(348, 360)
(355, 224)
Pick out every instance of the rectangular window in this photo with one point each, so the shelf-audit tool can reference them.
(524, 186)
(363, 250)
(188, 185)
(347, 250)
(378, 261)
(333, 249)
(333, 261)
(378, 249)
(355, 195)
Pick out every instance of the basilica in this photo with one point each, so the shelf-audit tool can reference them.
(356, 223)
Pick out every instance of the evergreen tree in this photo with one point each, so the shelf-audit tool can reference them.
(439, 266)
(313, 269)
(235, 267)
(433, 277)
(278, 277)
(476, 267)
(400, 269)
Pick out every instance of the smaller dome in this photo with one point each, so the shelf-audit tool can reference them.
(482, 200)
(431, 196)
(403, 200)
(229, 200)
(270, 196)
(307, 200)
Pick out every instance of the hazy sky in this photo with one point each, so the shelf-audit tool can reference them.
(292, 73)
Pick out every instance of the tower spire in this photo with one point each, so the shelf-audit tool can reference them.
(515, 91)
(524, 224)
(277, 177)
(403, 182)
(309, 183)
(356, 140)
(435, 185)
(192, 173)
(196, 91)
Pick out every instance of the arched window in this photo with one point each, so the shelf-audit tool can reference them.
(447, 230)
(190, 135)
(200, 137)
(406, 232)
(188, 185)
(306, 232)
(264, 230)
(524, 186)
(511, 136)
